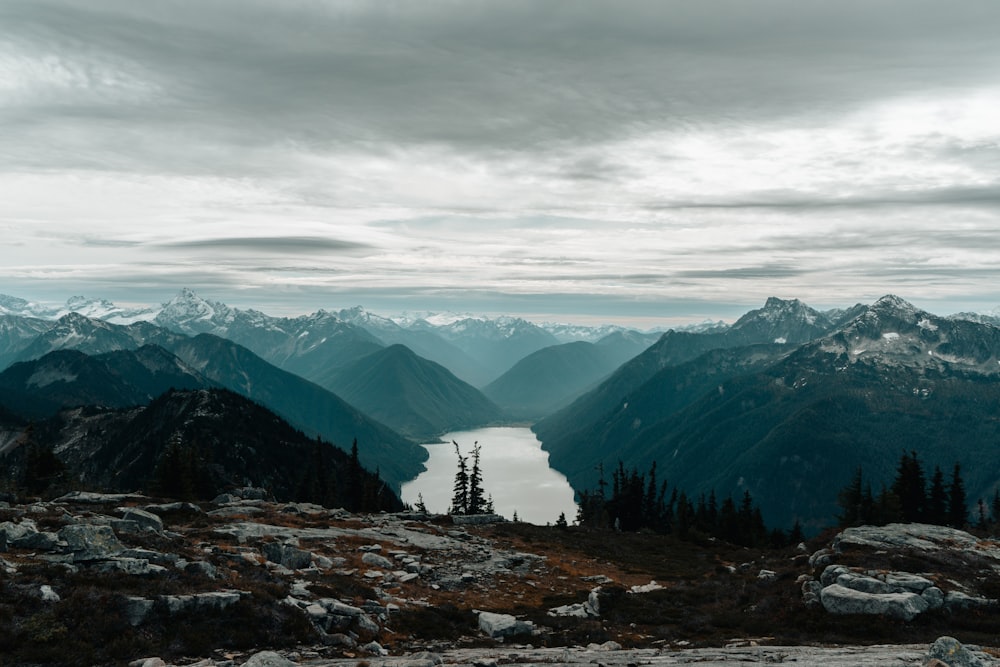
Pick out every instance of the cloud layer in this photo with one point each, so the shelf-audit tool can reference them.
(502, 155)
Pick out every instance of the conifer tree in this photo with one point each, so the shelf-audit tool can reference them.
(958, 513)
(937, 500)
(460, 497)
(477, 503)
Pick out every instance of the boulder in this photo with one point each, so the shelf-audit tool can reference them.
(339, 608)
(503, 625)
(268, 659)
(839, 599)
(951, 652)
(89, 542)
(48, 595)
(145, 520)
(287, 555)
(375, 560)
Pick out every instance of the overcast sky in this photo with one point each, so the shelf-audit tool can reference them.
(619, 161)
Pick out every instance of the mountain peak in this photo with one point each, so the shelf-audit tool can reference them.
(891, 302)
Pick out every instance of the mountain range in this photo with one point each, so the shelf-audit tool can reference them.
(791, 421)
(785, 403)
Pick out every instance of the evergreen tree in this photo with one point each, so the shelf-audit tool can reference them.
(910, 488)
(477, 502)
(995, 506)
(421, 507)
(561, 521)
(958, 512)
(355, 479)
(850, 500)
(42, 468)
(937, 500)
(460, 498)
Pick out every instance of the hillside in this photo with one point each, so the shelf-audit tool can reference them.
(205, 442)
(778, 322)
(305, 405)
(68, 378)
(550, 378)
(793, 428)
(412, 395)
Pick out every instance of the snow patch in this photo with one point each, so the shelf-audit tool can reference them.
(43, 377)
(927, 324)
(780, 341)
(891, 335)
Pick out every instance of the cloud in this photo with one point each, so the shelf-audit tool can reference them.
(282, 245)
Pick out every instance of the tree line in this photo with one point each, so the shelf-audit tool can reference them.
(911, 498)
(638, 501)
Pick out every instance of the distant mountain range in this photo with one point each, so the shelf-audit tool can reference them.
(786, 402)
(790, 421)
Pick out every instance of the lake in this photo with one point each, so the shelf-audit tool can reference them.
(515, 472)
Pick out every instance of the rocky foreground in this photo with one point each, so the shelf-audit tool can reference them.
(126, 579)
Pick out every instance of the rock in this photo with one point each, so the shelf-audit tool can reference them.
(339, 608)
(365, 627)
(839, 599)
(137, 609)
(145, 520)
(88, 542)
(225, 498)
(646, 588)
(502, 625)
(287, 555)
(148, 662)
(167, 508)
(252, 493)
(896, 536)
(476, 519)
(100, 498)
(48, 595)
(821, 558)
(951, 652)
(131, 566)
(374, 648)
(959, 601)
(606, 646)
(268, 659)
(934, 597)
(375, 560)
(767, 575)
(212, 601)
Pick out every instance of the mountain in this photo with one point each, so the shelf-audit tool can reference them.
(78, 332)
(213, 440)
(778, 322)
(310, 345)
(16, 333)
(425, 342)
(414, 396)
(623, 345)
(304, 404)
(792, 426)
(550, 378)
(495, 344)
(64, 378)
(991, 317)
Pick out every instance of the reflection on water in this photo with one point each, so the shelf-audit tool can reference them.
(515, 472)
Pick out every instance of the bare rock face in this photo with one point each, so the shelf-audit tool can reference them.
(839, 599)
(952, 653)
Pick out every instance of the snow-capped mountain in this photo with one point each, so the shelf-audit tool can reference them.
(12, 305)
(989, 317)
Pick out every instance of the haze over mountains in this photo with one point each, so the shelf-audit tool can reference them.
(786, 402)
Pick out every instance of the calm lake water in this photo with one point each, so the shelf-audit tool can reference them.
(515, 472)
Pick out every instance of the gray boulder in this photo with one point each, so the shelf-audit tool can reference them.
(502, 625)
(268, 659)
(951, 652)
(839, 599)
(145, 520)
(88, 542)
(375, 560)
(287, 555)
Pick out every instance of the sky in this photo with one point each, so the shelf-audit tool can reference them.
(619, 161)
